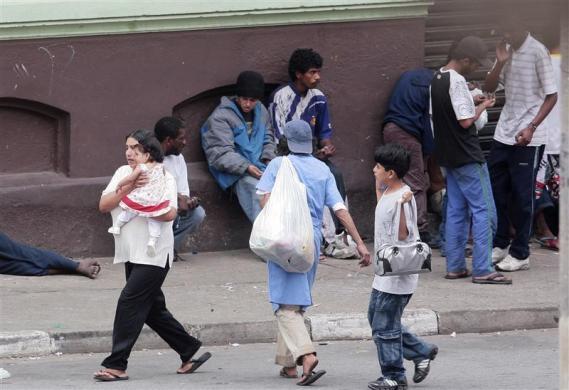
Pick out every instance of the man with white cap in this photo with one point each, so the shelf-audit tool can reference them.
(290, 293)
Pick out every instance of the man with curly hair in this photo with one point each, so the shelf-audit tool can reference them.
(300, 99)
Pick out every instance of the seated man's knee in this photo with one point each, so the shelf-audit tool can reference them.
(198, 215)
(249, 182)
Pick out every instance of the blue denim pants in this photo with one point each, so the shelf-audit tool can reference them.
(187, 224)
(246, 190)
(393, 340)
(21, 259)
(469, 192)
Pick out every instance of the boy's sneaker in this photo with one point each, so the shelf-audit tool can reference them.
(511, 264)
(499, 254)
(423, 367)
(388, 384)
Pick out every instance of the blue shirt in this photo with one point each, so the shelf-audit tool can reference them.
(289, 288)
(287, 104)
(409, 106)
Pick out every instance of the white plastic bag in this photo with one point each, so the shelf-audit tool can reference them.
(282, 232)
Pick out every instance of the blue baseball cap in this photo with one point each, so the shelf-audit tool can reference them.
(299, 136)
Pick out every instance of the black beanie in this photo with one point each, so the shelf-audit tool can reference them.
(250, 84)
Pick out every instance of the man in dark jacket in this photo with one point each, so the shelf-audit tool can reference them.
(407, 123)
(238, 141)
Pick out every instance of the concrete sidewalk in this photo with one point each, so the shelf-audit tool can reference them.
(221, 297)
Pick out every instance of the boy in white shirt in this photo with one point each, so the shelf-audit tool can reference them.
(391, 294)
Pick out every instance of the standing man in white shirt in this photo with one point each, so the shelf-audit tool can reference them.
(171, 134)
(523, 68)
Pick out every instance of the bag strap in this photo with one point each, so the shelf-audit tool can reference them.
(396, 220)
(290, 166)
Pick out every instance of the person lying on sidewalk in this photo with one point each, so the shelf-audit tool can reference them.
(290, 292)
(25, 260)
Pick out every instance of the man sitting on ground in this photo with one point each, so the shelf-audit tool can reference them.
(300, 99)
(238, 141)
(171, 134)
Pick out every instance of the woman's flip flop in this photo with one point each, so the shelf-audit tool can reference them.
(107, 376)
(196, 363)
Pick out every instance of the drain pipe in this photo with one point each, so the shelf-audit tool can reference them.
(564, 203)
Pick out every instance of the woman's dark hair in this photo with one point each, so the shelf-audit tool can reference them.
(147, 143)
(302, 60)
(167, 127)
(393, 157)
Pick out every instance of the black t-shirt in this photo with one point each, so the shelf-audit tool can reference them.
(451, 101)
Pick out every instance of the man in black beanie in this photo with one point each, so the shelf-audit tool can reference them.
(238, 141)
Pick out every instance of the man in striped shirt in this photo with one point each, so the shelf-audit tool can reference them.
(523, 68)
(300, 99)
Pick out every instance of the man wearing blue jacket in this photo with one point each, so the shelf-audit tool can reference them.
(407, 122)
(238, 141)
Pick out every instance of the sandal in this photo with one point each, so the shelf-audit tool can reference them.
(311, 376)
(284, 374)
(458, 275)
(308, 379)
(551, 243)
(196, 363)
(107, 376)
(493, 278)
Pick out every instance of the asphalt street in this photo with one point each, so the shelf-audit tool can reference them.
(522, 360)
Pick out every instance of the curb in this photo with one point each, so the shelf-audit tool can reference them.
(26, 343)
(342, 326)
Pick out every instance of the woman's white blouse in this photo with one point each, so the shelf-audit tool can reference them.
(130, 245)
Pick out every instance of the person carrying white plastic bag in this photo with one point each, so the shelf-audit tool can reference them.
(282, 232)
(290, 292)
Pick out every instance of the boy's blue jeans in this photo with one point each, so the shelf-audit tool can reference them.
(469, 188)
(393, 340)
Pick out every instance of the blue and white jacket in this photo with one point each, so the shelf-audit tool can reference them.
(228, 148)
(287, 104)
